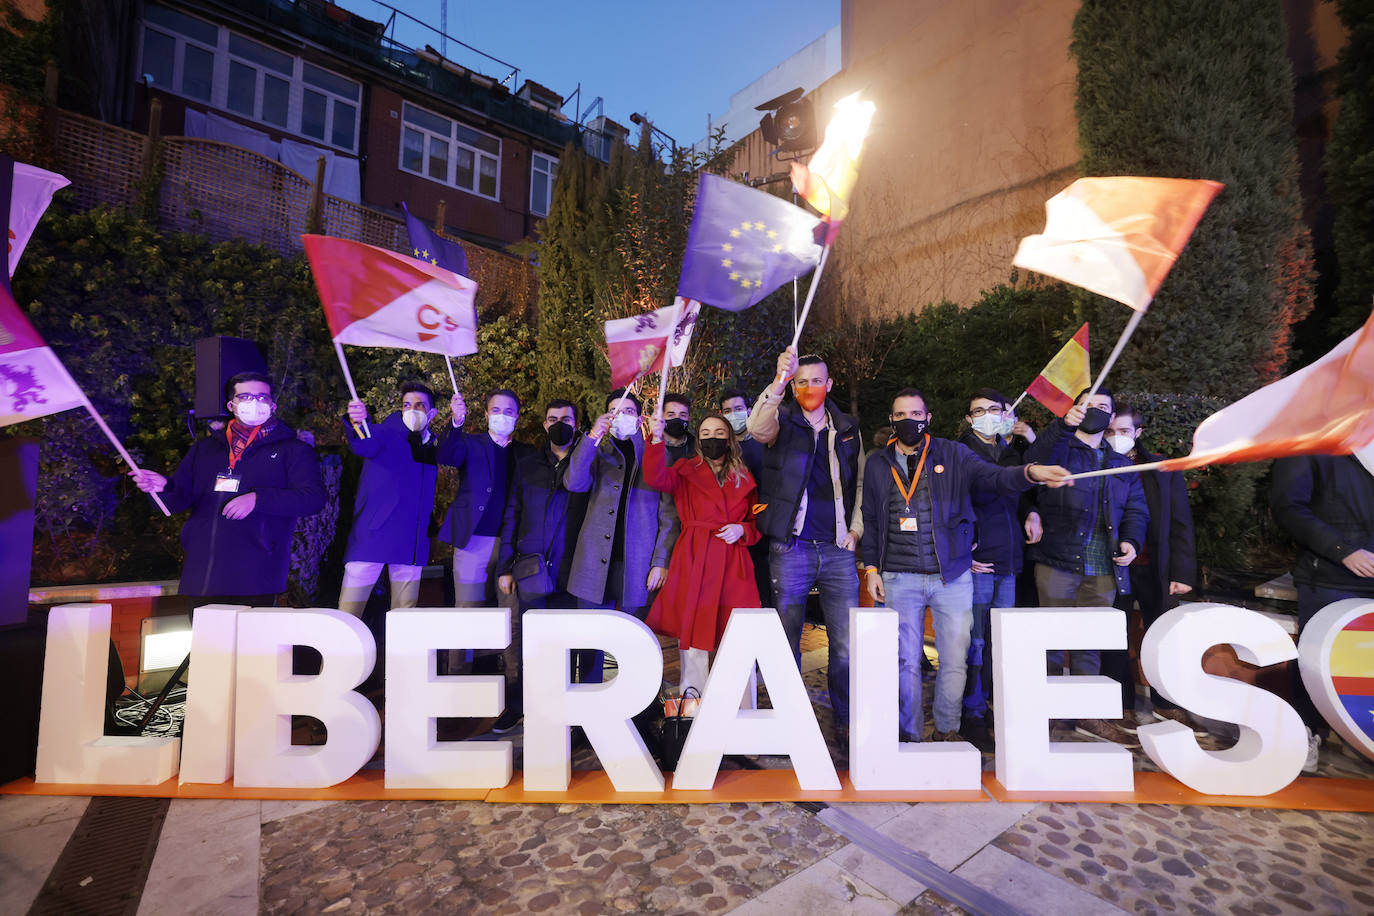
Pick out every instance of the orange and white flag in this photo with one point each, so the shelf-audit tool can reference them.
(1117, 237)
(1325, 408)
(373, 297)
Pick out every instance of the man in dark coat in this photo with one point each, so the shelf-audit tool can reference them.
(543, 519)
(1092, 531)
(1326, 504)
(918, 551)
(245, 487)
(1165, 568)
(394, 503)
(810, 492)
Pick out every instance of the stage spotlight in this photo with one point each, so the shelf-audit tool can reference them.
(790, 123)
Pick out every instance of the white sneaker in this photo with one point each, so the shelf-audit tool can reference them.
(1314, 746)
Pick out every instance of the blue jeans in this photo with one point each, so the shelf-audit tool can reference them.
(989, 591)
(952, 606)
(797, 566)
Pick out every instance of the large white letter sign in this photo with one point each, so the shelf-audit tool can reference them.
(1273, 742)
(1026, 699)
(553, 705)
(415, 758)
(1337, 657)
(207, 734)
(269, 695)
(72, 744)
(877, 759)
(754, 636)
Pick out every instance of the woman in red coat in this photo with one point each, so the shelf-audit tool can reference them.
(710, 572)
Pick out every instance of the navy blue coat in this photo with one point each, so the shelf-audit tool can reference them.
(542, 516)
(1326, 504)
(999, 534)
(474, 454)
(247, 556)
(786, 467)
(1067, 513)
(395, 497)
(955, 473)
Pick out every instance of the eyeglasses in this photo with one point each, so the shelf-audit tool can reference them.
(979, 411)
(246, 398)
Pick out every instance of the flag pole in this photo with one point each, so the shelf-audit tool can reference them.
(452, 380)
(348, 377)
(119, 447)
(1116, 351)
(810, 295)
(1019, 400)
(663, 384)
(1125, 469)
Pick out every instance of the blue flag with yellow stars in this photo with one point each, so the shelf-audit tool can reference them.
(743, 244)
(427, 246)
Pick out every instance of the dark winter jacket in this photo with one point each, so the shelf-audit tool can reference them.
(1067, 514)
(542, 515)
(1169, 534)
(1326, 504)
(252, 555)
(999, 535)
(955, 472)
(395, 497)
(475, 455)
(787, 466)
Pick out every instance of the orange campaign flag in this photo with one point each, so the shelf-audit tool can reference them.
(1326, 408)
(1117, 237)
(1064, 376)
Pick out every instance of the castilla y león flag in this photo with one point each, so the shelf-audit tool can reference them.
(637, 344)
(378, 298)
(33, 381)
(1064, 376)
(1117, 237)
(1325, 408)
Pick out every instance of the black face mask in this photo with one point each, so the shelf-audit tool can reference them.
(560, 433)
(909, 431)
(1094, 421)
(675, 428)
(713, 449)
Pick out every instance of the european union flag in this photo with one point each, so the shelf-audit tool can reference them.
(427, 246)
(744, 244)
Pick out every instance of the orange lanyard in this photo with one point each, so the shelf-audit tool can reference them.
(920, 466)
(234, 459)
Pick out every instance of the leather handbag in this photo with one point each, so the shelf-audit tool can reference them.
(533, 578)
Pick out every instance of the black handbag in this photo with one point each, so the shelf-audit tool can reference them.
(533, 578)
(674, 731)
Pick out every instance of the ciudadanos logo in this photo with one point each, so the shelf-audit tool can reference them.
(1337, 655)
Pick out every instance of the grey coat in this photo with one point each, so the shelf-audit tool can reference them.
(650, 529)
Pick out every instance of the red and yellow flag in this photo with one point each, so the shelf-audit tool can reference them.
(827, 181)
(1064, 376)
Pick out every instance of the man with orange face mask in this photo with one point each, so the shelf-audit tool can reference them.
(810, 493)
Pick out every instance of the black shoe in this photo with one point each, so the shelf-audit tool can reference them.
(975, 731)
(507, 721)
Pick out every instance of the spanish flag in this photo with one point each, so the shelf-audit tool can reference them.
(1352, 671)
(1117, 237)
(1067, 374)
(827, 181)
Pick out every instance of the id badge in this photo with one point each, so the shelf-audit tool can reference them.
(227, 482)
(908, 522)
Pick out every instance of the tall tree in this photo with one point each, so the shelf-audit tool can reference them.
(1182, 89)
(1350, 170)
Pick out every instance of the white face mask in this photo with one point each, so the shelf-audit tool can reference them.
(989, 424)
(501, 424)
(624, 425)
(415, 419)
(1008, 423)
(253, 413)
(738, 419)
(1122, 444)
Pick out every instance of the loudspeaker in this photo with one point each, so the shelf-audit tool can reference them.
(218, 359)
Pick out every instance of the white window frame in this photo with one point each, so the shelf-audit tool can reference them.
(550, 171)
(451, 172)
(297, 86)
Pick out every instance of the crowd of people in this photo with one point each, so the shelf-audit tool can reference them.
(765, 502)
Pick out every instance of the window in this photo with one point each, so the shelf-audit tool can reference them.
(543, 172)
(197, 59)
(449, 152)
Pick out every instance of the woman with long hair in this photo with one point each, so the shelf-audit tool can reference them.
(710, 572)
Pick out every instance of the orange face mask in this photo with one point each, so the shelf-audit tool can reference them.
(811, 397)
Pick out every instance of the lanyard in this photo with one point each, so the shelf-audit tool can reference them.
(229, 434)
(920, 466)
